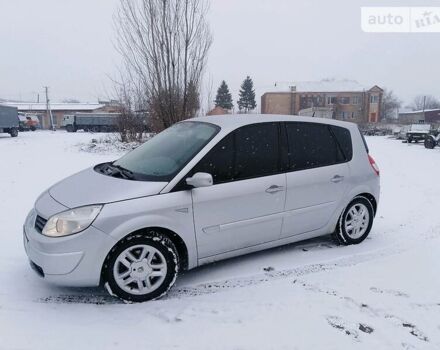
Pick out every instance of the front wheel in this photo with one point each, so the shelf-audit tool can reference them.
(355, 222)
(13, 132)
(141, 267)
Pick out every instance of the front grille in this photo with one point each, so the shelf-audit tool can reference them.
(40, 223)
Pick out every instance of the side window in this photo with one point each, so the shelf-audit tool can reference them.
(248, 152)
(219, 161)
(257, 150)
(312, 145)
(343, 137)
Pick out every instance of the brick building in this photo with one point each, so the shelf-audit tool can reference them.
(218, 111)
(342, 100)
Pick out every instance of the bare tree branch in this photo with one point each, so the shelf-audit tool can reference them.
(164, 45)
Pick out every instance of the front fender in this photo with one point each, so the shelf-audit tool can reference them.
(171, 211)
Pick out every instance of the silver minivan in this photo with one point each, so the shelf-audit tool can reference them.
(203, 190)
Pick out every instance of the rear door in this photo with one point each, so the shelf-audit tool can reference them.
(317, 175)
(245, 205)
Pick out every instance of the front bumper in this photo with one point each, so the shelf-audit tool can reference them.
(74, 260)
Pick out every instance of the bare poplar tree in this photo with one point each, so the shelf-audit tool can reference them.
(390, 105)
(209, 86)
(164, 45)
(427, 102)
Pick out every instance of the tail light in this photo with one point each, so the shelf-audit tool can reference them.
(374, 165)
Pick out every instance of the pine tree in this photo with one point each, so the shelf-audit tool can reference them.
(247, 102)
(224, 97)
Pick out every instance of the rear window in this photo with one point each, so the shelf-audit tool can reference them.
(312, 145)
(343, 137)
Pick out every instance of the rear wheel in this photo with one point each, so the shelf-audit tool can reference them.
(355, 222)
(141, 267)
(429, 143)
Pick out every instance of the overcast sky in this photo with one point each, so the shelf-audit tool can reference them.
(67, 45)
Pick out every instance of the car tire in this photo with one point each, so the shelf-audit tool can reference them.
(141, 267)
(69, 128)
(429, 143)
(13, 132)
(360, 212)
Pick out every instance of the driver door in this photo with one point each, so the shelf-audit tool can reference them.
(245, 205)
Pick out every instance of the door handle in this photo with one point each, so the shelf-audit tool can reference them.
(274, 189)
(337, 178)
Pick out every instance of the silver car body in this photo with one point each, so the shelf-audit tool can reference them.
(214, 223)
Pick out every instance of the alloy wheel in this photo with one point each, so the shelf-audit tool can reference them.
(357, 220)
(140, 269)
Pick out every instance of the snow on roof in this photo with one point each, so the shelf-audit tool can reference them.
(321, 86)
(420, 111)
(30, 106)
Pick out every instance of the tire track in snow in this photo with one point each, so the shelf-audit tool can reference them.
(253, 280)
(342, 325)
(240, 282)
(346, 261)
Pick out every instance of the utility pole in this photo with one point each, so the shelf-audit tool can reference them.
(48, 110)
(424, 105)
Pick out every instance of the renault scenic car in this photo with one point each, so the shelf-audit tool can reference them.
(203, 190)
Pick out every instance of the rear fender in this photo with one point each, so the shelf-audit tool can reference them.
(347, 199)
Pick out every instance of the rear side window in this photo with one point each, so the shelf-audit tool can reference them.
(343, 137)
(312, 145)
(364, 141)
(249, 152)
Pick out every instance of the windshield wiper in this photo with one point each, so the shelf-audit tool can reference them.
(113, 170)
(125, 173)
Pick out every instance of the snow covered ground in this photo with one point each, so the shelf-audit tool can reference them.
(382, 294)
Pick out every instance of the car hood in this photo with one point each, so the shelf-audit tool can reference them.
(90, 187)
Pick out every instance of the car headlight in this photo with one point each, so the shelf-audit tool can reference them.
(71, 221)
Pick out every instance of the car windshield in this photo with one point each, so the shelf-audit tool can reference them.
(162, 157)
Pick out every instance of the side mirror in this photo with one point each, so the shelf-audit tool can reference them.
(200, 180)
